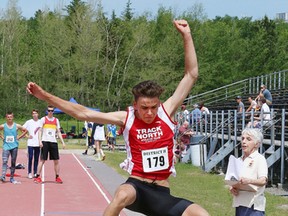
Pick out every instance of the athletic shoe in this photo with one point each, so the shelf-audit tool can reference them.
(13, 181)
(38, 180)
(30, 176)
(59, 180)
(103, 158)
(84, 153)
(2, 179)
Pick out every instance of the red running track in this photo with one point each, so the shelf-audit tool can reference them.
(80, 194)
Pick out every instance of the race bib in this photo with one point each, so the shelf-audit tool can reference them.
(9, 139)
(50, 132)
(155, 159)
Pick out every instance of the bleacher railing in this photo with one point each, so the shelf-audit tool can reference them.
(221, 127)
(251, 86)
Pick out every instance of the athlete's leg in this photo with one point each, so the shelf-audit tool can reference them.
(13, 153)
(43, 158)
(97, 143)
(101, 151)
(195, 210)
(30, 158)
(56, 167)
(5, 157)
(36, 159)
(40, 165)
(124, 196)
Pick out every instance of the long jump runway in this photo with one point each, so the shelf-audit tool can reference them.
(87, 189)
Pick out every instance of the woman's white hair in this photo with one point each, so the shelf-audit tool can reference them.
(255, 133)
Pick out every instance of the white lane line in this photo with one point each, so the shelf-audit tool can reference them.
(95, 183)
(42, 209)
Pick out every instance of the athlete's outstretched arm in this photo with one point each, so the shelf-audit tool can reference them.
(76, 110)
(191, 69)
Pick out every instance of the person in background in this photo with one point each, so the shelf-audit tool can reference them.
(264, 92)
(254, 172)
(89, 141)
(265, 116)
(183, 114)
(203, 109)
(98, 133)
(33, 125)
(185, 134)
(111, 136)
(195, 114)
(10, 145)
(49, 127)
(148, 131)
(240, 108)
(62, 130)
(253, 105)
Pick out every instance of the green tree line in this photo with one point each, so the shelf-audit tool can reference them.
(80, 52)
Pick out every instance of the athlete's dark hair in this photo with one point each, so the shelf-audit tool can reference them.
(148, 89)
(9, 113)
(35, 110)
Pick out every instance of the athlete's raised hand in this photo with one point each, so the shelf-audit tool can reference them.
(182, 26)
(35, 90)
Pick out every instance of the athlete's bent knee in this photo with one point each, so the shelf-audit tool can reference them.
(125, 195)
(195, 210)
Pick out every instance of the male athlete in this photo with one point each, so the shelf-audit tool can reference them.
(148, 133)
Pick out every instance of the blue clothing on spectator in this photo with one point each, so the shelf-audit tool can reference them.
(112, 129)
(196, 115)
(266, 93)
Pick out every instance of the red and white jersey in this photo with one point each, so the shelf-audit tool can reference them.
(149, 146)
(49, 128)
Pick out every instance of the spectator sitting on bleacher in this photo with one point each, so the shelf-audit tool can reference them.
(240, 108)
(253, 105)
(265, 116)
(264, 92)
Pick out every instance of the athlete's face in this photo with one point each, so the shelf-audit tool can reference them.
(35, 115)
(50, 112)
(146, 108)
(9, 118)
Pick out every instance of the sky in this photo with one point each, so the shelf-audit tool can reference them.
(256, 9)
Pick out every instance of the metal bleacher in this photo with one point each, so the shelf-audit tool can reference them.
(220, 131)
